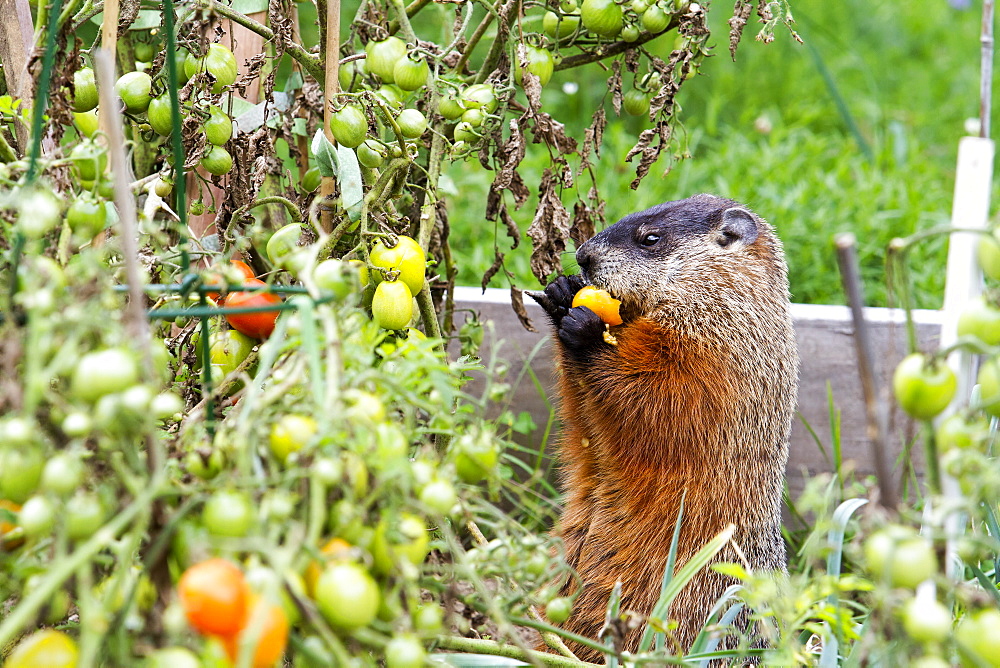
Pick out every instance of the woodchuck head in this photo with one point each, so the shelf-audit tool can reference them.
(689, 260)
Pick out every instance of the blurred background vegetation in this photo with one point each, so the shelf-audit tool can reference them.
(854, 130)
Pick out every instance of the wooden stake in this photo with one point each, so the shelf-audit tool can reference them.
(331, 86)
(16, 45)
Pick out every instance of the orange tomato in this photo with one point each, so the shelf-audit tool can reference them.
(5, 526)
(335, 549)
(258, 325)
(600, 302)
(214, 596)
(241, 267)
(272, 637)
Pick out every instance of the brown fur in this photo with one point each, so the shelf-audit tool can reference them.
(697, 397)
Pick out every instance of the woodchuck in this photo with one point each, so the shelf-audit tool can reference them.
(692, 395)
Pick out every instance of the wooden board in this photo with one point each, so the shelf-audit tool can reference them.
(827, 357)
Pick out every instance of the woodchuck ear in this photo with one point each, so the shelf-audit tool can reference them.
(737, 225)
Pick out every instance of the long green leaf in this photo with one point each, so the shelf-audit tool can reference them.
(701, 559)
(668, 573)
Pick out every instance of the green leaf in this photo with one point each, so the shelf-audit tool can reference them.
(341, 163)
(475, 660)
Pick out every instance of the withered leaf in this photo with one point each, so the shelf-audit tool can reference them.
(517, 303)
(511, 153)
(549, 230)
(494, 268)
(741, 13)
(592, 137)
(584, 223)
(615, 86)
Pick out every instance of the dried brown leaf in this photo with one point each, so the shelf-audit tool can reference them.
(584, 223)
(592, 137)
(615, 86)
(741, 14)
(517, 302)
(549, 230)
(493, 270)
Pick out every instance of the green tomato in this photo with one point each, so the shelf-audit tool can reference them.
(392, 305)
(349, 126)
(411, 123)
(172, 657)
(559, 609)
(926, 621)
(963, 433)
(428, 618)
(219, 127)
(371, 154)
(981, 319)
(382, 57)
(989, 386)
(290, 434)
(85, 90)
(405, 651)
(160, 115)
(347, 596)
(540, 64)
(655, 20)
(86, 122)
(62, 474)
(103, 372)
(560, 26)
(923, 389)
(89, 160)
(134, 90)
(978, 639)
(636, 102)
(228, 513)
(86, 216)
(20, 473)
(630, 33)
(988, 254)
(450, 107)
(283, 245)
(475, 458)
(480, 96)
(37, 517)
(84, 516)
(602, 17)
(206, 468)
(411, 72)
(311, 180)
(217, 161)
(474, 117)
(464, 132)
(900, 556)
(351, 75)
(144, 52)
(218, 61)
(335, 276)
(439, 495)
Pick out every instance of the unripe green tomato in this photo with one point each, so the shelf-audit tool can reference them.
(349, 126)
(172, 657)
(639, 6)
(391, 95)
(474, 117)
(144, 52)
(86, 216)
(981, 319)
(540, 64)
(900, 556)
(20, 473)
(480, 96)
(439, 495)
(371, 154)
(475, 459)
(217, 161)
(290, 434)
(103, 372)
(86, 122)
(334, 276)
(382, 57)
(630, 33)
(197, 208)
(165, 405)
(219, 127)
(163, 188)
(160, 115)
(560, 27)
(410, 73)
(978, 639)
(62, 474)
(962, 433)
(84, 516)
(89, 160)
(989, 386)
(227, 350)
(206, 468)
(76, 424)
(450, 107)
(392, 305)
(560, 608)
(218, 61)
(227, 513)
(428, 618)
(655, 20)
(923, 388)
(404, 651)
(988, 254)
(602, 17)
(134, 88)
(406, 257)
(311, 180)
(347, 596)
(926, 621)
(36, 517)
(464, 132)
(635, 102)
(351, 75)
(38, 211)
(283, 244)
(85, 90)
(411, 123)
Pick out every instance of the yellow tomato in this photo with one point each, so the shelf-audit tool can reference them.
(600, 302)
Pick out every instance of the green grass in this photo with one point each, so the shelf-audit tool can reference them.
(900, 78)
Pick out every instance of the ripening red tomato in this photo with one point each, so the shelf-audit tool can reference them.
(273, 635)
(259, 325)
(214, 596)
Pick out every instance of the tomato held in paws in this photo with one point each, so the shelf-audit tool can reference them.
(260, 324)
(600, 302)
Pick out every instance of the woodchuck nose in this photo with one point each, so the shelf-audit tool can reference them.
(693, 396)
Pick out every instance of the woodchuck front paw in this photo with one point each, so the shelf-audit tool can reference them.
(581, 329)
(558, 297)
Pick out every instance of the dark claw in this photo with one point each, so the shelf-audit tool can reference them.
(581, 329)
(557, 299)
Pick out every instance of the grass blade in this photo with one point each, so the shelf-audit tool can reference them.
(668, 573)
